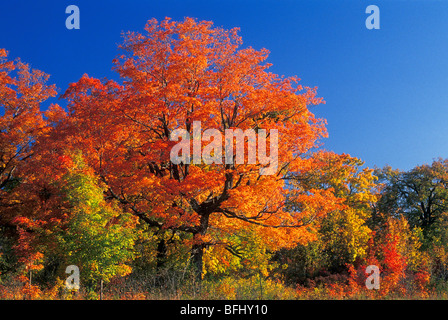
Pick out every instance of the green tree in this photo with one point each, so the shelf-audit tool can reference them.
(97, 237)
(420, 195)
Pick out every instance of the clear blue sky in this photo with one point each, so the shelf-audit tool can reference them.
(386, 90)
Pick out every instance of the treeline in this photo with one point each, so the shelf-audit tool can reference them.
(93, 185)
(403, 232)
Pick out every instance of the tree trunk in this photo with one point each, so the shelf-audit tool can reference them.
(161, 254)
(197, 250)
(197, 253)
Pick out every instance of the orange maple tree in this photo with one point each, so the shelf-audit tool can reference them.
(173, 75)
(22, 90)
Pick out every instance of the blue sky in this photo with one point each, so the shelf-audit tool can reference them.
(385, 90)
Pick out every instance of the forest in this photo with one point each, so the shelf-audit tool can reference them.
(89, 182)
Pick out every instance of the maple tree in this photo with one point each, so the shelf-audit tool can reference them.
(22, 91)
(175, 74)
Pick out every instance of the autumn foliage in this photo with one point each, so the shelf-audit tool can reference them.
(92, 184)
